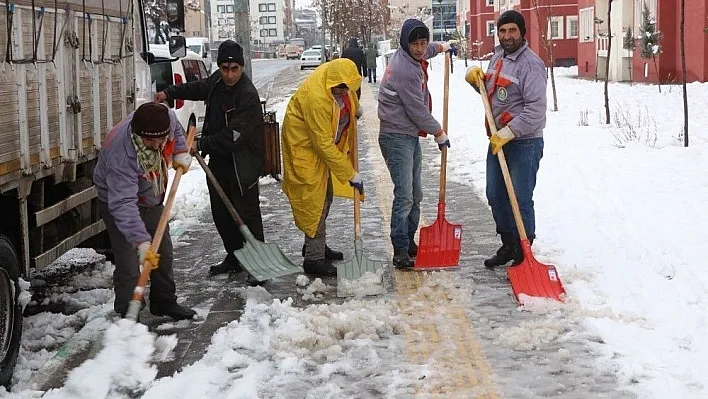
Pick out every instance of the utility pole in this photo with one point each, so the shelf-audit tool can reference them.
(242, 21)
(324, 42)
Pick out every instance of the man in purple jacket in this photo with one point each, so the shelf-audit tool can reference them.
(404, 112)
(516, 85)
(131, 179)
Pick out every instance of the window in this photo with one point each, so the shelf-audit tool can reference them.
(639, 9)
(555, 28)
(491, 28)
(264, 32)
(272, 32)
(263, 20)
(271, 20)
(191, 70)
(271, 6)
(263, 7)
(572, 26)
(221, 9)
(229, 9)
(490, 2)
(587, 25)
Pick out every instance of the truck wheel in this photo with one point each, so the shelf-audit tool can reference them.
(10, 310)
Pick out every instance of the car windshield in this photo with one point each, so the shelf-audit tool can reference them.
(196, 48)
(161, 74)
(311, 53)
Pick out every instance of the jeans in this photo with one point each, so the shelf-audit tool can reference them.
(523, 158)
(403, 159)
(372, 74)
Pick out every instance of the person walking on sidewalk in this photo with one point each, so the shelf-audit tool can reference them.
(404, 111)
(319, 122)
(356, 54)
(131, 179)
(232, 136)
(371, 55)
(516, 85)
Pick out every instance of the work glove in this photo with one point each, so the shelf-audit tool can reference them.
(145, 253)
(442, 140)
(475, 77)
(446, 45)
(182, 161)
(357, 183)
(500, 138)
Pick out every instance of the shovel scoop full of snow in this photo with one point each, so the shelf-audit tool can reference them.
(533, 278)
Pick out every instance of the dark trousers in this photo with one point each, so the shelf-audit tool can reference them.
(523, 158)
(315, 247)
(247, 205)
(127, 268)
(372, 74)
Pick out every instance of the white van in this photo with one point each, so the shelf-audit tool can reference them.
(189, 68)
(200, 45)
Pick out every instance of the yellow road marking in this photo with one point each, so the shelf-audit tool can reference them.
(440, 333)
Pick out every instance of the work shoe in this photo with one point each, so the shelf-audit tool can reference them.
(329, 253)
(401, 259)
(412, 249)
(505, 253)
(173, 310)
(225, 266)
(320, 267)
(519, 254)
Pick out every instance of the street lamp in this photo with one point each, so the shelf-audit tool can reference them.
(441, 18)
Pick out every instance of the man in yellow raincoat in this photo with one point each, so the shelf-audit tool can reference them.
(319, 124)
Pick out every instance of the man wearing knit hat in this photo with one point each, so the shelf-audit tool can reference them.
(516, 84)
(405, 113)
(232, 136)
(134, 159)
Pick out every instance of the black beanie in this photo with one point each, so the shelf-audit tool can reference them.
(419, 32)
(230, 51)
(151, 120)
(513, 17)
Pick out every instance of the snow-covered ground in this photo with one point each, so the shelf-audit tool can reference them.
(620, 211)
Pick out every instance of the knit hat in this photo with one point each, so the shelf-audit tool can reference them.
(230, 51)
(513, 17)
(151, 120)
(419, 32)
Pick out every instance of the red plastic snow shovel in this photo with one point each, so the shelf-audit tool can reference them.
(530, 277)
(439, 246)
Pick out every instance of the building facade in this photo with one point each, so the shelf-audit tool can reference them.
(267, 22)
(195, 19)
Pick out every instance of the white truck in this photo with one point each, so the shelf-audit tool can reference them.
(70, 70)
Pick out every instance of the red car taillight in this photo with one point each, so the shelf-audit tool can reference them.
(178, 81)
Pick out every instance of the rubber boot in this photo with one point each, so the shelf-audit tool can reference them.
(412, 249)
(320, 267)
(330, 254)
(519, 254)
(401, 259)
(505, 253)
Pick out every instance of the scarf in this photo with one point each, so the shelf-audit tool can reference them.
(154, 165)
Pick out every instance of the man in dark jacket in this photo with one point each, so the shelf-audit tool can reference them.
(232, 136)
(356, 54)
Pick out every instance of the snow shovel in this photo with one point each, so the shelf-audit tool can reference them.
(530, 277)
(139, 291)
(262, 261)
(439, 246)
(352, 270)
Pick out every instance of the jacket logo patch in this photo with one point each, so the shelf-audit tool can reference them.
(502, 94)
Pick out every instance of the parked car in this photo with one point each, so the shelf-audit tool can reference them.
(201, 46)
(190, 68)
(311, 59)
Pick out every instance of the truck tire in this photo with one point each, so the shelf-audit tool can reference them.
(10, 310)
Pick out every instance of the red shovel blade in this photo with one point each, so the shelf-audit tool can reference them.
(439, 245)
(533, 278)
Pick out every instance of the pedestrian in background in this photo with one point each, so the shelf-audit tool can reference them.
(356, 54)
(371, 54)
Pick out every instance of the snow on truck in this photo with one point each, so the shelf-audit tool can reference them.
(71, 69)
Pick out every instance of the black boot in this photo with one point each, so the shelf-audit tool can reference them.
(401, 259)
(412, 249)
(226, 266)
(519, 254)
(320, 267)
(173, 310)
(505, 253)
(330, 254)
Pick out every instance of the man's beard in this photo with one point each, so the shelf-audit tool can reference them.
(512, 47)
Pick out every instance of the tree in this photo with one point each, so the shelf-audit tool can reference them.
(347, 19)
(542, 7)
(683, 70)
(650, 38)
(607, 62)
(629, 44)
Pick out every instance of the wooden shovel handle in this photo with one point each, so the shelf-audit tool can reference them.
(354, 148)
(219, 190)
(443, 153)
(162, 224)
(504, 168)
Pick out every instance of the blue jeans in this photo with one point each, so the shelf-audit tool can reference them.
(523, 158)
(403, 159)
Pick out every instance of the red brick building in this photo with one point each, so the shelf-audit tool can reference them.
(628, 65)
(481, 22)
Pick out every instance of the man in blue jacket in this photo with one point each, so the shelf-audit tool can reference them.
(516, 85)
(131, 179)
(404, 111)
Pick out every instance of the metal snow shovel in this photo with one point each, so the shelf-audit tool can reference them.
(262, 261)
(439, 246)
(530, 277)
(139, 291)
(350, 271)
